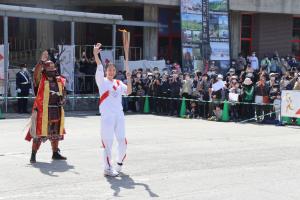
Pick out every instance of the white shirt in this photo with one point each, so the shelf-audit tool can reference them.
(254, 62)
(110, 93)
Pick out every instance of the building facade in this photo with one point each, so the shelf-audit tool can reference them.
(263, 26)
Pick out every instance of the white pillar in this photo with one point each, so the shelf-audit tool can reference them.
(150, 34)
(114, 33)
(44, 34)
(235, 33)
(6, 57)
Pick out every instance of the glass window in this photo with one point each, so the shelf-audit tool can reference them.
(246, 20)
(246, 32)
(296, 37)
(296, 22)
(246, 47)
(296, 48)
(164, 20)
(296, 34)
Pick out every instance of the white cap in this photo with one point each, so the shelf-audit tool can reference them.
(220, 76)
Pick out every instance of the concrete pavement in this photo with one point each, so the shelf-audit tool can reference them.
(168, 158)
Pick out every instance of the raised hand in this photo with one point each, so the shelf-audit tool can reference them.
(128, 75)
(97, 49)
(44, 56)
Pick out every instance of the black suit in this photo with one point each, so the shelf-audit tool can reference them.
(23, 83)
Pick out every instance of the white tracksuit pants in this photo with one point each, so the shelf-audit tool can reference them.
(113, 125)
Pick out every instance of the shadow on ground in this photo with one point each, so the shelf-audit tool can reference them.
(126, 182)
(51, 169)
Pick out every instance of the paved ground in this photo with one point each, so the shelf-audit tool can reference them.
(168, 158)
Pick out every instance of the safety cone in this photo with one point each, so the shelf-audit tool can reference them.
(298, 122)
(286, 120)
(1, 114)
(183, 108)
(146, 105)
(225, 113)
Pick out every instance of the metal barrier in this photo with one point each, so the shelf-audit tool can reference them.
(135, 53)
(85, 84)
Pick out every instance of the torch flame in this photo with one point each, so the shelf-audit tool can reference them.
(123, 30)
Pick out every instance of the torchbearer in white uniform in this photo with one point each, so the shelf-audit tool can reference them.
(112, 115)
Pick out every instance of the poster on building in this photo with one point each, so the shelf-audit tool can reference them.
(218, 5)
(205, 34)
(67, 64)
(2, 73)
(2, 76)
(106, 57)
(219, 51)
(191, 25)
(219, 37)
(290, 104)
(191, 6)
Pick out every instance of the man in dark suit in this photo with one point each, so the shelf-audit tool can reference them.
(23, 86)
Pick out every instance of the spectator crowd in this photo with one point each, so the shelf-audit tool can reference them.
(251, 86)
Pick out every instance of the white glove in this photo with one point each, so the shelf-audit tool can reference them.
(19, 90)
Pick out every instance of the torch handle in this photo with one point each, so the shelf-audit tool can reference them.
(126, 44)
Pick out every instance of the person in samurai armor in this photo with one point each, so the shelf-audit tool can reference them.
(47, 120)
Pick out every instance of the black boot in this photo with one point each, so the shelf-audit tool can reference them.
(32, 158)
(56, 156)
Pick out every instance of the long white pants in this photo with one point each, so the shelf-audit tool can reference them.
(113, 125)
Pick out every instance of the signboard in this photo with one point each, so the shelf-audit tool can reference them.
(290, 104)
(106, 57)
(2, 76)
(191, 34)
(2, 71)
(67, 64)
(219, 34)
(205, 34)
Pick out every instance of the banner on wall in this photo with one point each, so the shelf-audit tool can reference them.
(205, 34)
(106, 57)
(290, 104)
(67, 64)
(2, 73)
(2, 76)
(191, 34)
(144, 64)
(219, 37)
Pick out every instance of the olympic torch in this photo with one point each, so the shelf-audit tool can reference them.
(126, 44)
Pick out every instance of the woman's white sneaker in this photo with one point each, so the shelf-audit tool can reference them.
(111, 172)
(119, 167)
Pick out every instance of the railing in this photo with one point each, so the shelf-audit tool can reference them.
(17, 44)
(85, 84)
(26, 56)
(135, 53)
(29, 56)
(22, 50)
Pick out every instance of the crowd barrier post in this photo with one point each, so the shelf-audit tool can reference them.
(225, 113)
(182, 113)
(1, 114)
(298, 121)
(146, 105)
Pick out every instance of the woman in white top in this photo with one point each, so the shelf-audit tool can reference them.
(112, 115)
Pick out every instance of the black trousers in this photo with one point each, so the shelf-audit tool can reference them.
(22, 103)
(174, 106)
